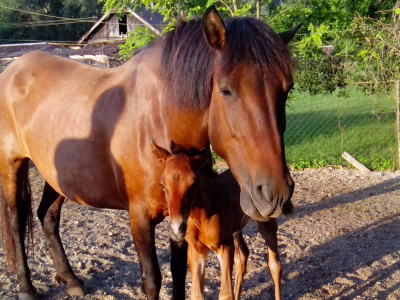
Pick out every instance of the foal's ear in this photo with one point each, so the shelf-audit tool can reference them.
(175, 148)
(287, 36)
(201, 160)
(160, 153)
(214, 28)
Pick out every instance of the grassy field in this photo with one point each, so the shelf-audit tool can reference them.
(321, 128)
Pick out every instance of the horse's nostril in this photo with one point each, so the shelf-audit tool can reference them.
(259, 189)
(182, 228)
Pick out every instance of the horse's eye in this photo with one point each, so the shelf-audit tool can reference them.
(226, 92)
(162, 186)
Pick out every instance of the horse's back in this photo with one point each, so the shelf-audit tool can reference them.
(62, 115)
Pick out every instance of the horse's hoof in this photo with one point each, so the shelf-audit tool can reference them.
(27, 296)
(76, 291)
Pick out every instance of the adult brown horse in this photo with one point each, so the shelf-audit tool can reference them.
(87, 130)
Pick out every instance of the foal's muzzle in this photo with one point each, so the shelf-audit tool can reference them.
(177, 230)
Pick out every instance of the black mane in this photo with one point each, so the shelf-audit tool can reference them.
(188, 62)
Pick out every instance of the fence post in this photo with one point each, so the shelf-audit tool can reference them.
(397, 91)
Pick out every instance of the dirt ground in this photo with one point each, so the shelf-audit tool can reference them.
(343, 242)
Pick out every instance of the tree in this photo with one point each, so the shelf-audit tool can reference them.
(380, 42)
(325, 22)
(27, 20)
(171, 10)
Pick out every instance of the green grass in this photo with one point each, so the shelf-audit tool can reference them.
(320, 128)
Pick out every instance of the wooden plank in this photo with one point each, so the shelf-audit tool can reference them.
(355, 162)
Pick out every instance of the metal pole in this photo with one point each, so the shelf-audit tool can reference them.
(397, 91)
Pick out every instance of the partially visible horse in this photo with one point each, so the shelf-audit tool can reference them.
(207, 206)
(87, 129)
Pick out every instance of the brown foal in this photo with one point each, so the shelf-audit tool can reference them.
(208, 207)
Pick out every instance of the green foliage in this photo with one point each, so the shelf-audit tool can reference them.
(215, 156)
(321, 75)
(170, 9)
(337, 23)
(302, 164)
(380, 54)
(136, 40)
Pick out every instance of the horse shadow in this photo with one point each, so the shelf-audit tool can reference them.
(320, 268)
(91, 157)
(384, 187)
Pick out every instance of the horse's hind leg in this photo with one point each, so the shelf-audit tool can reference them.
(241, 256)
(49, 214)
(17, 214)
(268, 231)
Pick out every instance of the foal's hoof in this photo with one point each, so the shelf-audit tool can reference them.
(28, 296)
(76, 291)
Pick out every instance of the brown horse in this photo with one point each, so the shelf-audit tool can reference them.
(207, 206)
(87, 130)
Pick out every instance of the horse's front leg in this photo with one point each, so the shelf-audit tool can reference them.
(197, 256)
(225, 255)
(178, 268)
(49, 212)
(143, 232)
(268, 231)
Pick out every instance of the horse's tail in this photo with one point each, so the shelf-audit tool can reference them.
(25, 216)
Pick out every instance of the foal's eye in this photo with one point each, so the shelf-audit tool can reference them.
(162, 186)
(226, 92)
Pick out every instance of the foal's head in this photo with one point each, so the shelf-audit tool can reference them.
(177, 181)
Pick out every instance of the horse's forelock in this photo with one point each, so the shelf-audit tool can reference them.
(250, 40)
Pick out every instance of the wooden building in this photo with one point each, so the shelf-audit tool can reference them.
(112, 27)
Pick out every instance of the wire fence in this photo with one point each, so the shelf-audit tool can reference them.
(320, 128)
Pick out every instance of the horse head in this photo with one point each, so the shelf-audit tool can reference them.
(251, 81)
(177, 181)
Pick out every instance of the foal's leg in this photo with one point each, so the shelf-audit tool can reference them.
(225, 256)
(241, 256)
(143, 232)
(178, 268)
(197, 256)
(268, 231)
(49, 215)
(14, 177)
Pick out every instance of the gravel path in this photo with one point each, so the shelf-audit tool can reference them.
(343, 242)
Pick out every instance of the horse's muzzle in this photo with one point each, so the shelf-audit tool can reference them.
(264, 202)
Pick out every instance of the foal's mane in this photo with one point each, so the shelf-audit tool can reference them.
(188, 62)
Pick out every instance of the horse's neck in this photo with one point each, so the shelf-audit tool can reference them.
(186, 126)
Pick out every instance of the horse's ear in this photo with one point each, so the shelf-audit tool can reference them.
(201, 160)
(160, 153)
(175, 148)
(287, 36)
(214, 28)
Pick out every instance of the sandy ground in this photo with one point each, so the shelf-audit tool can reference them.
(342, 243)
